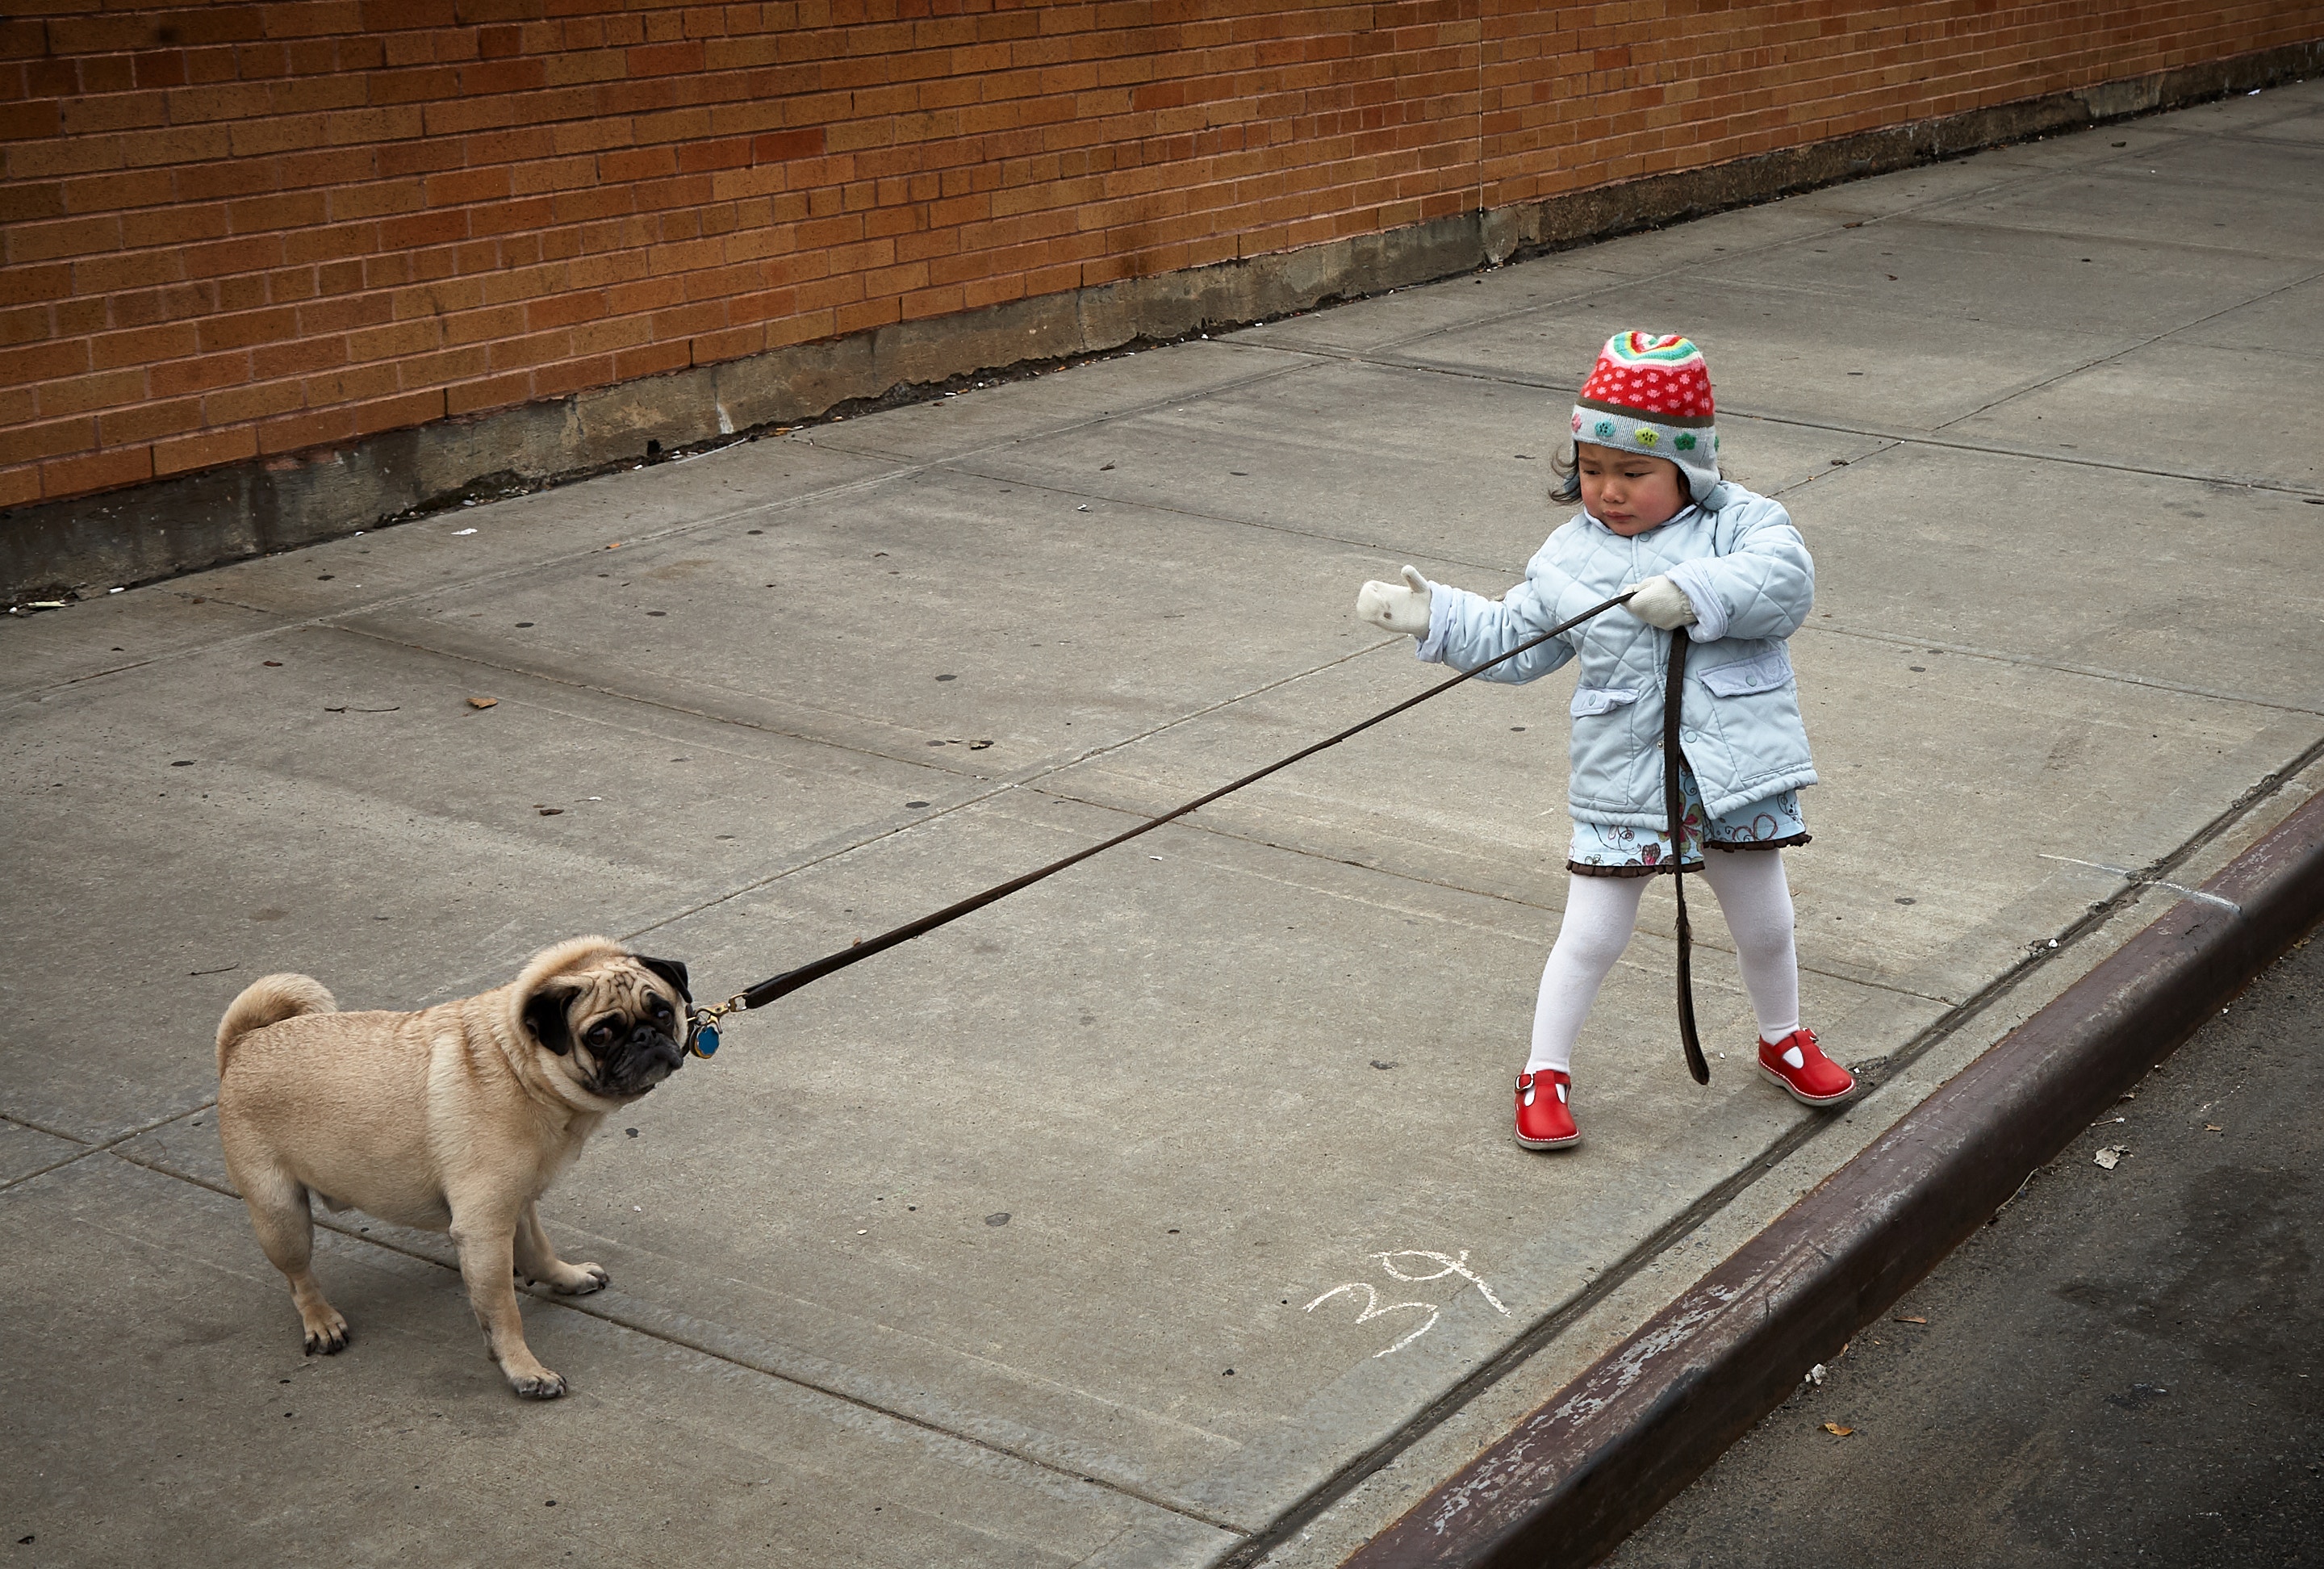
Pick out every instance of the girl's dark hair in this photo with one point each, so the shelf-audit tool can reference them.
(1567, 466)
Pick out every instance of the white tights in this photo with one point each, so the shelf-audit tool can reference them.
(1600, 913)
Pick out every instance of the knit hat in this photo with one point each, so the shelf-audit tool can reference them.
(1651, 394)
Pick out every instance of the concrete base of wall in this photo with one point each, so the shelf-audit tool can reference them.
(68, 547)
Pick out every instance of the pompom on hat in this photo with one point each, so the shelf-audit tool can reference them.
(1651, 394)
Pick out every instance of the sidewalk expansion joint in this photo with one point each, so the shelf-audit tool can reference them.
(108, 1146)
(608, 1314)
(2132, 348)
(1648, 1253)
(2092, 672)
(1326, 857)
(1029, 779)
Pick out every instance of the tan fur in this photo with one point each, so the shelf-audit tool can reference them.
(452, 1118)
(269, 999)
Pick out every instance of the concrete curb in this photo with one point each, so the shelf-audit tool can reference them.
(1581, 1473)
(187, 522)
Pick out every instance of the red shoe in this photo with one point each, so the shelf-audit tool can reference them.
(1800, 1065)
(1544, 1121)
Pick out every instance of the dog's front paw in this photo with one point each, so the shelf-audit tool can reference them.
(580, 1279)
(542, 1385)
(327, 1333)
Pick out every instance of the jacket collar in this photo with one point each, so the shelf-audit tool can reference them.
(1678, 516)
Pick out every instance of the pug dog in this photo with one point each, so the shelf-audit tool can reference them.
(453, 1118)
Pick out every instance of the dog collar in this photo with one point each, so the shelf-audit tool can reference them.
(702, 1028)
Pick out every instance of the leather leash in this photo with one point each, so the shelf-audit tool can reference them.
(702, 1036)
(1675, 805)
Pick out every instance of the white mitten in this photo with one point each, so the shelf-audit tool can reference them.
(1661, 603)
(1398, 606)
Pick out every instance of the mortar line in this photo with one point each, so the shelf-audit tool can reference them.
(1258, 1544)
(604, 1313)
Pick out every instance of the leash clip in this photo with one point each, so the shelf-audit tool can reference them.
(702, 1028)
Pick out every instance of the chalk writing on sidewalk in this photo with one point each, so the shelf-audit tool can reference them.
(1373, 1307)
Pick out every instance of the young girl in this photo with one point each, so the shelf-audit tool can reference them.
(1729, 567)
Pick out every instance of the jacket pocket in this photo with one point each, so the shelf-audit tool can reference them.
(1593, 700)
(1770, 671)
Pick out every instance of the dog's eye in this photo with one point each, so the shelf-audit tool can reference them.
(599, 1034)
(661, 1009)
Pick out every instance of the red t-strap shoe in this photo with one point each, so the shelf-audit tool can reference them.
(1800, 1065)
(1544, 1117)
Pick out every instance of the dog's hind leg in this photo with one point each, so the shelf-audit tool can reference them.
(286, 1231)
(537, 1262)
(487, 1241)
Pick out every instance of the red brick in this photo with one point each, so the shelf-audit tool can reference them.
(441, 186)
(298, 357)
(259, 401)
(22, 285)
(353, 384)
(53, 439)
(42, 362)
(176, 378)
(87, 394)
(489, 392)
(651, 360)
(250, 253)
(245, 328)
(145, 421)
(94, 472)
(204, 449)
(38, 242)
(312, 428)
(174, 225)
(143, 345)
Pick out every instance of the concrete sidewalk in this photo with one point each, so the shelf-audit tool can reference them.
(999, 1249)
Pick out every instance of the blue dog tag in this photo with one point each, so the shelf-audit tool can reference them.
(705, 1041)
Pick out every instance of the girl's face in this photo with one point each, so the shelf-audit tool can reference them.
(1627, 493)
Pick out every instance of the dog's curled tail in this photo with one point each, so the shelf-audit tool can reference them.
(269, 999)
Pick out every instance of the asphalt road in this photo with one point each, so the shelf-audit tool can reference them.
(2124, 1367)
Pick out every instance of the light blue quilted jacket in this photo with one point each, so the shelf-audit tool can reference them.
(1746, 570)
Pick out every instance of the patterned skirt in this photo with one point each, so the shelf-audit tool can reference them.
(1606, 850)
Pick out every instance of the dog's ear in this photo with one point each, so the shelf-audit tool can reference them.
(544, 1015)
(671, 971)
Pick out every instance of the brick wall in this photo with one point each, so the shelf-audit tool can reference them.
(238, 230)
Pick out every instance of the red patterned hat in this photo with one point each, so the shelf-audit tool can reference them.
(1651, 394)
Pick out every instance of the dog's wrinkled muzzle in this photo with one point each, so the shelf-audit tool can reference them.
(646, 1058)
